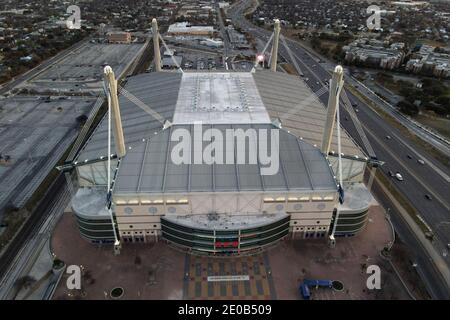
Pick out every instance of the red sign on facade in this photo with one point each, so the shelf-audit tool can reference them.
(233, 244)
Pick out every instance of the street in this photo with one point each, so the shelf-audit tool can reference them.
(419, 180)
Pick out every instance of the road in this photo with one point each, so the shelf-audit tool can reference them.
(38, 233)
(419, 180)
(56, 197)
(425, 269)
(5, 88)
(224, 34)
(420, 130)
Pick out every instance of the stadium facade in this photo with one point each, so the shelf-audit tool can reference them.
(224, 196)
(218, 208)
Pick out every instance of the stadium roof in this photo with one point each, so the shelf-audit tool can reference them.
(149, 168)
(283, 96)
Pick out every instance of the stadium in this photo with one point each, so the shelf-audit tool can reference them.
(223, 207)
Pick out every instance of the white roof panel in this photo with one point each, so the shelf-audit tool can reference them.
(219, 98)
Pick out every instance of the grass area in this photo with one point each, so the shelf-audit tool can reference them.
(14, 219)
(389, 84)
(441, 125)
(435, 153)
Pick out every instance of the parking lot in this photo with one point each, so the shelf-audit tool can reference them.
(198, 60)
(81, 70)
(34, 133)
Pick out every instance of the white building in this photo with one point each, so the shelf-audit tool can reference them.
(183, 28)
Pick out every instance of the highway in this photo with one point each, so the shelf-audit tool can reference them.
(30, 228)
(224, 34)
(420, 130)
(399, 153)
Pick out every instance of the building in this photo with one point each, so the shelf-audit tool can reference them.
(219, 207)
(119, 37)
(375, 53)
(428, 61)
(213, 43)
(184, 29)
(236, 38)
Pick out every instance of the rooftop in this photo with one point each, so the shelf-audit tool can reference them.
(217, 98)
(357, 198)
(149, 168)
(224, 221)
(283, 96)
(185, 27)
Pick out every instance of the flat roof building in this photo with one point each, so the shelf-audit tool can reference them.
(119, 37)
(183, 28)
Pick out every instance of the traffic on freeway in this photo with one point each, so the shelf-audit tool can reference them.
(426, 185)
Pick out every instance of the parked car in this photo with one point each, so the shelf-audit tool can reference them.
(428, 197)
(398, 176)
(388, 137)
(390, 173)
(421, 161)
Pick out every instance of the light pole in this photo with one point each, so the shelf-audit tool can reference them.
(336, 85)
(110, 87)
(30, 159)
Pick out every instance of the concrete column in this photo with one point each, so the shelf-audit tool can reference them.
(336, 85)
(115, 112)
(157, 54)
(276, 40)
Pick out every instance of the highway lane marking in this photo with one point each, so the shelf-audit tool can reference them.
(419, 156)
(378, 140)
(437, 262)
(425, 186)
(408, 146)
(430, 163)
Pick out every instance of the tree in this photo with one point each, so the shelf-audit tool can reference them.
(434, 88)
(24, 282)
(438, 109)
(408, 108)
(410, 94)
